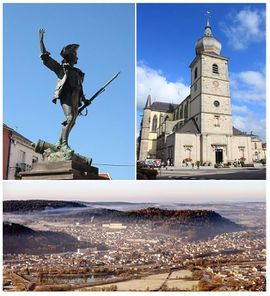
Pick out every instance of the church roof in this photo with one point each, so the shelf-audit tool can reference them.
(237, 132)
(190, 127)
(163, 107)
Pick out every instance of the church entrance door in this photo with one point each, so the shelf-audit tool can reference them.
(219, 155)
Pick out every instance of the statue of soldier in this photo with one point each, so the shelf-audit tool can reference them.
(69, 89)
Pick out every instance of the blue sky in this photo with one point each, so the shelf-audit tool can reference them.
(105, 33)
(166, 37)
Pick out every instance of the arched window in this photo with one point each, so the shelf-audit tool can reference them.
(167, 117)
(154, 124)
(181, 112)
(215, 69)
(195, 73)
(186, 111)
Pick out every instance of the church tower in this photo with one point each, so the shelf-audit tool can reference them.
(210, 94)
(210, 89)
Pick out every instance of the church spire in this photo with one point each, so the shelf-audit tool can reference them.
(148, 102)
(208, 43)
(207, 29)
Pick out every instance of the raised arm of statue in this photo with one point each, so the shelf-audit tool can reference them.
(45, 56)
(41, 42)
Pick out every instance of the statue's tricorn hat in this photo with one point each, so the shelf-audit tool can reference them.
(69, 49)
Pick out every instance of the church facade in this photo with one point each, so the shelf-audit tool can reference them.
(200, 127)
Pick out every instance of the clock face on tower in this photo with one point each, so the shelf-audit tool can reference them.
(215, 83)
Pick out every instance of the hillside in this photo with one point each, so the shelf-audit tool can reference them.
(37, 205)
(192, 224)
(21, 239)
(187, 224)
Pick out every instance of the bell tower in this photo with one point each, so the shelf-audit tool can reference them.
(210, 89)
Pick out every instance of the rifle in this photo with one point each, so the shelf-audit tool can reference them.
(100, 91)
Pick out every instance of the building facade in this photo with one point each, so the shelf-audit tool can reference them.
(18, 154)
(200, 127)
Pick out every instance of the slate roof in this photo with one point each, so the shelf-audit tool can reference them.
(237, 132)
(190, 127)
(163, 107)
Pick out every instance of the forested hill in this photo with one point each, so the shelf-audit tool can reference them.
(19, 239)
(38, 205)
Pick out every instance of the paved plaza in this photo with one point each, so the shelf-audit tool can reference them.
(211, 173)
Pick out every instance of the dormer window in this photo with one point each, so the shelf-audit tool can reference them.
(215, 69)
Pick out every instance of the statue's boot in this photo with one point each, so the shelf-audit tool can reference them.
(63, 138)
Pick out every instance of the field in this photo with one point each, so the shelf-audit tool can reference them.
(181, 274)
(152, 282)
(182, 285)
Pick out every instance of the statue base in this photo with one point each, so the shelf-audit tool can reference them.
(61, 164)
(61, 170)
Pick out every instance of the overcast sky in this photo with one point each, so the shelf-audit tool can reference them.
(137, 191)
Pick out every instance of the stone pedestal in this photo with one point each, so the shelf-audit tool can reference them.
(61, 163)
(61, 170)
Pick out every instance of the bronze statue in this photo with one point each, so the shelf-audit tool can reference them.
(69, 89)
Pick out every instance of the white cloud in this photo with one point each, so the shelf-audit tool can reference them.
(248, 86)
(239, 109)
(248, 89)
(253, 78)
(250, 123)
(244, 27)
(151, 81)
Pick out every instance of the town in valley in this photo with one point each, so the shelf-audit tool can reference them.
(137, 247)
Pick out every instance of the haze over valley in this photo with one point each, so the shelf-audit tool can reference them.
(102, 245)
